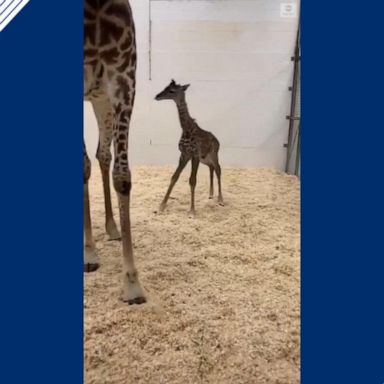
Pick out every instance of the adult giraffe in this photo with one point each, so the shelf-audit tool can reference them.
(109, 84)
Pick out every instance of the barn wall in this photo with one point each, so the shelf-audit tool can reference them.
(236, 55)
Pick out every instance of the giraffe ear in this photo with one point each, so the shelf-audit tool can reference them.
(185, 87)
(173, 82)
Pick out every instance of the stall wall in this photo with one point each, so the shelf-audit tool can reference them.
(236, 54)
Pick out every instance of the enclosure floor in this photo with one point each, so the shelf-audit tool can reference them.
(223, 288)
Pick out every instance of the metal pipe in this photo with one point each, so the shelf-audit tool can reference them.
(291, 118)
(150, 39)
(298, 152)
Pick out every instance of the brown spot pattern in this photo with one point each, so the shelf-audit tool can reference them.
(109, 31)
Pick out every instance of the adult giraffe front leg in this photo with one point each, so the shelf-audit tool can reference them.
(103, 113)
(91, 261)
(122, 99)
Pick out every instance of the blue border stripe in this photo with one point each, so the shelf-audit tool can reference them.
(342, 193)
(41, 236)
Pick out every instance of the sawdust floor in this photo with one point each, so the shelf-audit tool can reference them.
(223, 287)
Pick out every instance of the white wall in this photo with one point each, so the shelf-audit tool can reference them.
(236, 55)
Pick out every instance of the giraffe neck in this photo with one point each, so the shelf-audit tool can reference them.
(184, 115)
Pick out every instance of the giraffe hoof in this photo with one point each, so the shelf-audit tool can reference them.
(91, 261)
(192, 214)
(210, 197)
(91, 267)
(114, 236)
(137, 300)
(132, 291)
(112, 231)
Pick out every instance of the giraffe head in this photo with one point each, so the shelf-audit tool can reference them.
(172, 92)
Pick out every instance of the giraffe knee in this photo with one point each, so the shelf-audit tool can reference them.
(123, 187)
(105, 162)
(192, 181)
(104, 157)
(122, 184)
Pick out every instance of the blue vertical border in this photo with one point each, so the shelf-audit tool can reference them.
(342, 193)
(41, 118)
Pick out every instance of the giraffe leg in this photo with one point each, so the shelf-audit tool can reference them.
(91, 261)
(211, 191)
(103, 113)
(122, 97)
(182, 163)
(218, 175)
(192, 183)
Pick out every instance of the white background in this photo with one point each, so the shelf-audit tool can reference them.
(236, 55)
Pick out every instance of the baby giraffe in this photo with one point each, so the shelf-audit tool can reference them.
(195, 144)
